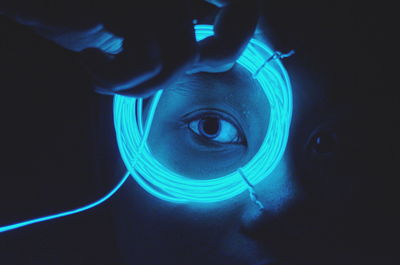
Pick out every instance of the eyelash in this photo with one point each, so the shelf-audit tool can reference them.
(223, 117)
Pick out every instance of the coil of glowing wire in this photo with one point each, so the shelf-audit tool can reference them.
(161, 182)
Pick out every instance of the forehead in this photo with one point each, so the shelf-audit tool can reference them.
(235, 87)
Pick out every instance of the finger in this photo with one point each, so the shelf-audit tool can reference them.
(233, 29)
(137, 63)
(178, 49)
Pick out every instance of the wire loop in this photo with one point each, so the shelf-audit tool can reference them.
(167, 185)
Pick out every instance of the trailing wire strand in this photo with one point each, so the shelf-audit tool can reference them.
(101, 200)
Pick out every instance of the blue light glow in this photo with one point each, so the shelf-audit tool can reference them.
(159, 181)
(58, 215)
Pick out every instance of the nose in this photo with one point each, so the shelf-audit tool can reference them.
(254, 218)
(276, 194)
(289, 227)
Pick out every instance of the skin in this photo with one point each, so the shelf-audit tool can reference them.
(223, 92)
(325, 203)
(316, 202)
(144, 66)
(331, 200)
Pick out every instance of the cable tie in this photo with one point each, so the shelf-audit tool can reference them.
(252, 192)
(276, 55)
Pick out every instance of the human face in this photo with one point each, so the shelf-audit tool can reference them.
(318, 203)
(212, 232)
(314, 200)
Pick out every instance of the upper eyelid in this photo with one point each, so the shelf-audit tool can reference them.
(222, 114)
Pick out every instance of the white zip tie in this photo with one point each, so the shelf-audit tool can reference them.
(276, 55)
(252, 192)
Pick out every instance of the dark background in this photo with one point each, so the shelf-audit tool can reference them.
(45, 91)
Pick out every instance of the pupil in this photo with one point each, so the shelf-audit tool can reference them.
(324, 143)
(209, 126)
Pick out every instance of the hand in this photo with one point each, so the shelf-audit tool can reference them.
(158, 38)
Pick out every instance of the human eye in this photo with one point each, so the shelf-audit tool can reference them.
(215, 127)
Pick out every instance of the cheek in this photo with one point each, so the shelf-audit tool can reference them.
(178, 233)
(174, 147)
(183, 233)
(279, 189)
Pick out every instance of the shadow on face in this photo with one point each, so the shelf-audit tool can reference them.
(343, 142)
(332, 198)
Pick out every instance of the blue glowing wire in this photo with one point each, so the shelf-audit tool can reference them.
(74, 211)
(101, 200)
(161, 182)
(164, 184)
